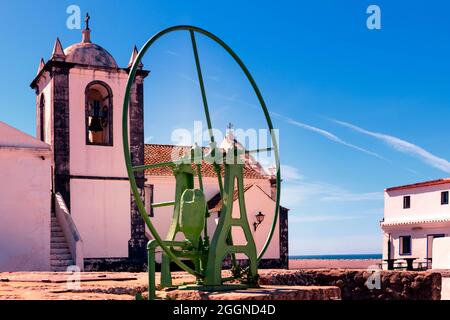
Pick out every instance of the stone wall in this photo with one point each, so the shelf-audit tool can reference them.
(395, 285)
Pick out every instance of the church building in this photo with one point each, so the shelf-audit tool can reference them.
(69, 201)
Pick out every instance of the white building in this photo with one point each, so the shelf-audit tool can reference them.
(93, 221)
(414, 216)
(25, 199)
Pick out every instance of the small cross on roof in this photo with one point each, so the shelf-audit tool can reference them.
(87, 20)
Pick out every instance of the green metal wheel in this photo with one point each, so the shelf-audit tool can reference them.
(132, 169)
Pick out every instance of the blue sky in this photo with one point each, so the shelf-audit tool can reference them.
(358, 110)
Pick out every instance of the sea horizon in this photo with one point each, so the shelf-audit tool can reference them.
(337, 256)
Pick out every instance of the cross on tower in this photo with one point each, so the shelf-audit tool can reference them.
(86, 20)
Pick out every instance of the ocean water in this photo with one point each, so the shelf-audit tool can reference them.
(338, 256)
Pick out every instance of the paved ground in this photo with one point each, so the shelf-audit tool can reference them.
(125, 286)
(92, 285)
(116, 286)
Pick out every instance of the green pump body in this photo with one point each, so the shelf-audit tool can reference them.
(192, 215)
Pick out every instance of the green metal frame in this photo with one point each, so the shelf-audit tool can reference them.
(207, 269)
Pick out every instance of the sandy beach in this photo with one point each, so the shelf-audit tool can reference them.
(332, 263)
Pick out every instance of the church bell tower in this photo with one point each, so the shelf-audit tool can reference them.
(79, 96)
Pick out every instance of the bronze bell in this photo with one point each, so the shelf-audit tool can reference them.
(95, 125)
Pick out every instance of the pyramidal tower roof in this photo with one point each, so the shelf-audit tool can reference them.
(133, 57)
(41, 65)
(58, 52)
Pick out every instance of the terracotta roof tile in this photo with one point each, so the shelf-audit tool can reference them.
(155, 153)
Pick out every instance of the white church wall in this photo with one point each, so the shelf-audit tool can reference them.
(25, 200)
(164, 190)
(92, 160)
(46, 90)
(255, 201)
(101, 212)
(100, 206)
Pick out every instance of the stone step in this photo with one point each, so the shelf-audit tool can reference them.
(55, 228)
(61, 263)
(58, 239)
(59, 269)
(57, 233)
(60, 250)
(59, 245)
(61, 256)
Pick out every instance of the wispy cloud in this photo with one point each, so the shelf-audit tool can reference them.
(326, 134)
(214, 78)
(403, 146)
(322, 218)
(290, 173)
(375, 213)
(188, 78)
(349, 196)
(295, 193)
(172, 53)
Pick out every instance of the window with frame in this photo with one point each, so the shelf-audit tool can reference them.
(406, 202)
(444, 197)
(405, 245)
(99, 114)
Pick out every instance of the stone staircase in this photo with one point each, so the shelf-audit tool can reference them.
(60, 257)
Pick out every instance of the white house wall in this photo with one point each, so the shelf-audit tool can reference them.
(441, 251)
(418, 241)
(425, 203)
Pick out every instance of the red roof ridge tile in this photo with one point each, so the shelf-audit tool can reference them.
(419, 184)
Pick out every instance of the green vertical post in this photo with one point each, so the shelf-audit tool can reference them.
(202, 85)
(220, 244)
(151, 270)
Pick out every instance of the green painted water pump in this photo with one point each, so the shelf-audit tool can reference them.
(190, 212)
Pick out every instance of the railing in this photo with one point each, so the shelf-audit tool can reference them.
(70, 231)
